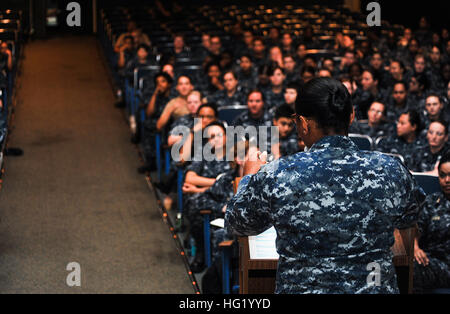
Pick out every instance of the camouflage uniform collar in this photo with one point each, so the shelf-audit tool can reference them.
(334, 141)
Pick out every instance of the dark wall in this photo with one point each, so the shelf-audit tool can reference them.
(86, 17)
(408, 13)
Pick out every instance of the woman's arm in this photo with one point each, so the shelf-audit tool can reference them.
(195, 179)
(152, 103)
(165, 117)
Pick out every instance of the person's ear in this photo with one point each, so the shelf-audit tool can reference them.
(304, 124)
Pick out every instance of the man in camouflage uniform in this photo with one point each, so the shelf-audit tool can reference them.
(231, 95)
(431, 251)
(257, 115)
(334, 207)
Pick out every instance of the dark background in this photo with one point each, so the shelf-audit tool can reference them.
(405, 13)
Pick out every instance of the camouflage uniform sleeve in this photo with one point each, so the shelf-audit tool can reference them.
(195, 166)
(249, 211)
(411, 200)
(424, 216)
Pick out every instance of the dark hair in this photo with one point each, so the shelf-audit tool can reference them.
(444, 159)
(401, 83)
(143, 46)
(186, 76)
(289, 55)
(414, 119)
(422, 80)
(210, 64)
(283, 111)
(443, 122)
(256, 91)
(128, 37)
(258, 38)
(218, 123)
(375, 74)
(379, 102)
(308, 69)
(400, 63)
(208, 105)
(165, 75)
(328, 102)
(434, 94)
(273, 67)
(232, 72)
(246, 55)
(292, 85)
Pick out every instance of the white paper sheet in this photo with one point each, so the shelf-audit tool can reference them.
(263, 246)
(219, 222)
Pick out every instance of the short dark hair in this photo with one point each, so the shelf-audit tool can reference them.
(414, 119)
(168, 78)
(293, 85)
(328, 102)
(246, 55)
(209, 105)
(128, 37)
(143, 46)
(443, 122)
(217, 123)
(444, 159)
(256, 91)
(283, 111)
(273, 67)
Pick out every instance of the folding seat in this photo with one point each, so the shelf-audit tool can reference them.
(364, 142)
(227, 114)
(429, 183)
(6, 34)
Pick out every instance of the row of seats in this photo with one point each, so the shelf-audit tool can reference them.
(11, 38)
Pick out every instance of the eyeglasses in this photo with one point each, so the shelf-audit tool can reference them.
(377, 112)
(219, 135)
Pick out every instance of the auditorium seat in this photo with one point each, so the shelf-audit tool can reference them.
(229, 113)
(429, 183)
(364, 142)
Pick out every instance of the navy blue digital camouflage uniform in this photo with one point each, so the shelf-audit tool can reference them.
(334, 209)
(382, 129)
(221, 99)
(245, 120)
(248, 80)
(149, 129)
(434, 240)
(397, 145)
(425, 160)
(273, 100)
(195, 202)
(289, 144)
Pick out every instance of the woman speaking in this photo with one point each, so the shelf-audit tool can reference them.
(334, 207)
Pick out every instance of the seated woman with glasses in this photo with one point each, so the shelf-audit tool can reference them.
(376, 124)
